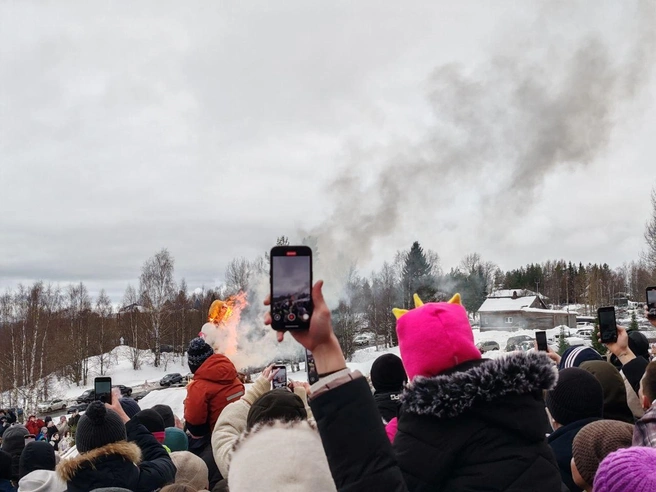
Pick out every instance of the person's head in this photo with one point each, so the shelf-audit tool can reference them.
(262, 456)
(278, 404)
(176, 487)
(435, 337)
(44, 430)
(647, 392)
(42, 481)
(152, 421)
(627, 470)
(615, 402)
(592, 444)
(130, 406)
(36, 456)
(62, 419)
(48, 419)
(55, 436)
(13, 440)
(388, 374)
(98, 427)
(32, 418)
(575, 356)
(5, 466)
(577, 396)
(197, 353)
(192, 470)
(166, 413)
(175, 439)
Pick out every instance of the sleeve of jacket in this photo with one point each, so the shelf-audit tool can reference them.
(157, 468)
(302, 394)
(196, 410)
(232, 422)
(634, 370)
(354, 439)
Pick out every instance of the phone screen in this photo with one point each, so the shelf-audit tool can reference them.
(103, 390)
(291, 288)
(280, 379)
(607, 325)
(541, 338)
(651, 302)
(310, 367)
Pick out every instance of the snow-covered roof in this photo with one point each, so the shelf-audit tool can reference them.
(496, 304)
(511, 293)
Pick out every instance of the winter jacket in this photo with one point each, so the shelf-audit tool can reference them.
(561, 443)
(120, 464)
(644, 432)
(35, 426)
(358, 450)
(388, 405)
(232, 421)
(6, 486)
(634, 370)
(479, 426)
(214, 386)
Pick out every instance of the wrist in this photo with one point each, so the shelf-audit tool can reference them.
(328, 356)
(625, 355)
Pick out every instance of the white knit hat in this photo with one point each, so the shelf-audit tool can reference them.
(41, 481)
(277, 457)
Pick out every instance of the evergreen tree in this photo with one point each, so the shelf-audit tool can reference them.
(562, 343)
(634, 322)
(596, 344)
(416, 276)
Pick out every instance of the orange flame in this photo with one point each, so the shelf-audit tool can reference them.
(225, 316)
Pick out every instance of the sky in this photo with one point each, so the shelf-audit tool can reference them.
(290, 275)
(519, 130)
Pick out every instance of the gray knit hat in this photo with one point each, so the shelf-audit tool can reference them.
(15, 432)
(98, 427)
(197, 353)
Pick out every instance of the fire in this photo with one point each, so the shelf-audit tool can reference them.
(220, 332)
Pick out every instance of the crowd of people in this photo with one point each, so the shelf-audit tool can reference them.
(437, 418)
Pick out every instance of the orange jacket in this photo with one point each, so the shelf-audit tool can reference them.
(214, 386)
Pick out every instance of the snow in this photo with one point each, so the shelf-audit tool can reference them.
(173, 397)
(492, 305)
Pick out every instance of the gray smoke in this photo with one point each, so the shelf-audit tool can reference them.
(500, 128)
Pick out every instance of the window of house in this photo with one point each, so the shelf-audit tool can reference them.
(508, 319)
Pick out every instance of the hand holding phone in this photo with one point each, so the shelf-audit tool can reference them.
(280, 377)
(607, 325)
(291, 288)
(103, 390)
(311, 367)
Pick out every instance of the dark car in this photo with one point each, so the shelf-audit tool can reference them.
(125, 390)
(513, 342)
(169, 379)
(80, 408)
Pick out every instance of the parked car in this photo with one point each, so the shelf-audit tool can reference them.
(364, 339)
(487, 346)
(140, 394)
(170, 379)
(80, 408)
(51, 406)
(125, 390)
(585, 333)
(87, 397)
(513, 342)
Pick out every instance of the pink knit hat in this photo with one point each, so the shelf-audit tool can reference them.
(434, 337)
(627, 470)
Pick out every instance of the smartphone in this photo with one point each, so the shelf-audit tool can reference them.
(311, 367)
(541, 338)
(607, 324)
(291, 288)
(103, 389)
(651, 303)
(280, 379)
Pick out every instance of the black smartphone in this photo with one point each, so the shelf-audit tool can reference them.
(280, 379)
(651, 303)
(102, 388)
(607, 324)
(311, 367)
(291, 287)
(541, 338)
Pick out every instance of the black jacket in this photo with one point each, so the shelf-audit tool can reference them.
(561, 443)
(388, 405)
(119, 465)
(358, 450)
(479, 427)
(634, 370)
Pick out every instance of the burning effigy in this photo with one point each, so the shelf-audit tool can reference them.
(220, 331)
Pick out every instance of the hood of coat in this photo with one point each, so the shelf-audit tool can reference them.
(217, 368)
(128, 451)
(479, 383)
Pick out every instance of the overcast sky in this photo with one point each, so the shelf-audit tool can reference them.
(520, 130)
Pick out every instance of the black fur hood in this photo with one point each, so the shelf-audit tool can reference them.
(449, 395)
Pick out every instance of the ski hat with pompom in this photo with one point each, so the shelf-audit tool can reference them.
(434, 337)
(197, 353)
(98, 427)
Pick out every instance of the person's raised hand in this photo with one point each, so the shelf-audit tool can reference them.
(269, 373)
(116, 405)
(651, 319)
(620, 348)
(319, 338)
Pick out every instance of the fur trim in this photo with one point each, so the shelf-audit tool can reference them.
(448, 396)
(67, 469)
(278, 424)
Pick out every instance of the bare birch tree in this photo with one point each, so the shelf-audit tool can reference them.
(104, 311)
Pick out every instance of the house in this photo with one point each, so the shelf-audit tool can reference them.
(516, 309)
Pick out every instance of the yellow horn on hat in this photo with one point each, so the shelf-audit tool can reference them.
(455, 299)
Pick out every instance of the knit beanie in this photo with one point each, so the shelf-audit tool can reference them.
(98, 427)
(387, 374)
(577, 396)
(280, 456)
(575, 356)
(36, 456)
(152, 421)
(42, 481)
(627, 470)
(166, 413)
(596, 441)
(278, 404)
(435, 337)
(615, 404)
(197, 353)
(175, 439)
(130, 406)
(191, 470)
(14, 438)
(5, 466)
